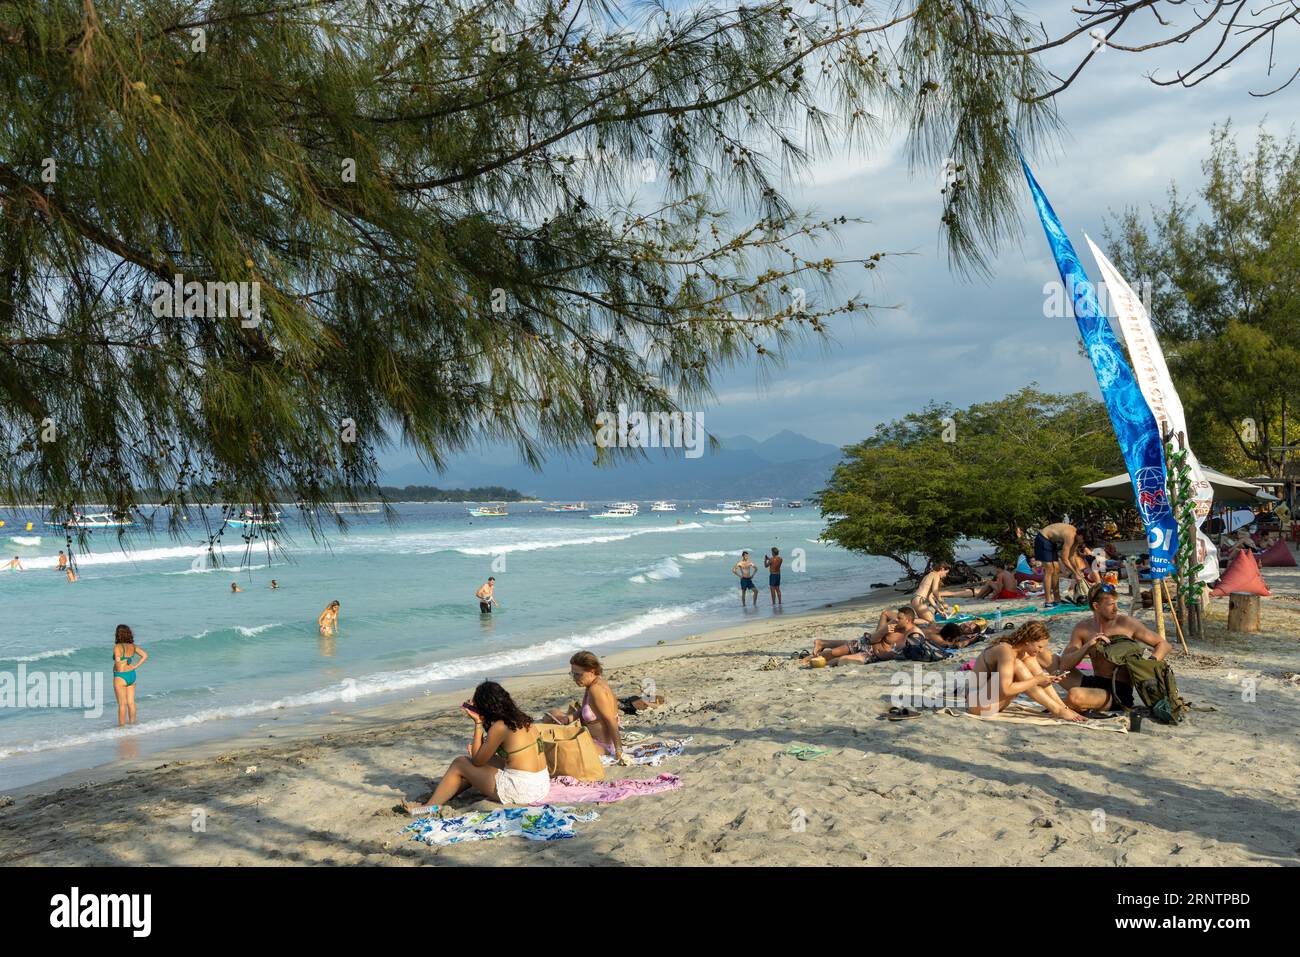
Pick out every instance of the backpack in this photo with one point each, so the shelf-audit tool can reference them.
(919, 648)
(1153, 680)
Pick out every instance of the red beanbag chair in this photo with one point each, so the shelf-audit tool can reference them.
(1035, 577)
(1278, 556)
(1241, 575)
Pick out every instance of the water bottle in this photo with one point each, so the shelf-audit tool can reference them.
(997, 619)
(648, 690)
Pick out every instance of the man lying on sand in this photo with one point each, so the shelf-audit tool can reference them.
(1016, 664)
(1002, 587)
(1093, 692)
(889, 642)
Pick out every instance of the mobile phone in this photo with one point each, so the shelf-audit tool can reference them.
(466, 706)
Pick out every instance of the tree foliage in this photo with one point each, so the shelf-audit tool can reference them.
(1226, 298)
(922, 483)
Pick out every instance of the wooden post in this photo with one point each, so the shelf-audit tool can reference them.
(1243, 612)
(1177, 624)
(1156, 587)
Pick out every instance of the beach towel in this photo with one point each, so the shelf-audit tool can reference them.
(1242, 575)
(650, 754)
(565, 790)
(1020, 714)
(547, 823)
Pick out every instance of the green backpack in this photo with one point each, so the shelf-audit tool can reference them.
(1153, 680)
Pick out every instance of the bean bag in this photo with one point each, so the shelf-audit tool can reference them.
(1277, 556)
(1241, 575)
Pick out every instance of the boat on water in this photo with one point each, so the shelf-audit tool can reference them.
(561, 507)
(664, 507)
(726, 508)
(620, 510)
(489, 511)
(93, 520)
(794, 504)
(252, 519)
(761, 503)
(357, 508)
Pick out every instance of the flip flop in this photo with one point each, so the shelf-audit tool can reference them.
(901, 714)
(806, 752)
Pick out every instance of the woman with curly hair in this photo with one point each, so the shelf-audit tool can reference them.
(506, 761)
(1014, 665)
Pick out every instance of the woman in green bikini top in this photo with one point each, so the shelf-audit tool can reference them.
(125, 651)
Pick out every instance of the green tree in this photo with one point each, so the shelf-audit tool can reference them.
(921, 484)
(1225, 281)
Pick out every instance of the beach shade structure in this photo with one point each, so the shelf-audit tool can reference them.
(1241, 577)
(1227, 490)
(1277, 556)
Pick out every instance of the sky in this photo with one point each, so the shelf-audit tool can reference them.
(959, 340)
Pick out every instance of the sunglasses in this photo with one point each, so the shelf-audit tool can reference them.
(1107, 589)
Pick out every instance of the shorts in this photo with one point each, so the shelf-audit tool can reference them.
(747, 583)
(485, 607)
(773, 581)
(1046, 550)
(1122, 690)
(522, 787)
(1005, 595)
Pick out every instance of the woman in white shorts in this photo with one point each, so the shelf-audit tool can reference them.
(506, 761)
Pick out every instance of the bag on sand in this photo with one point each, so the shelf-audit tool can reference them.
(1153, 680)
(571, 750)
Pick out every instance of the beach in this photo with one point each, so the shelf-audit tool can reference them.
(1219, 789)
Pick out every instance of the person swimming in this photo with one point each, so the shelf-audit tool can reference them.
(125, 666)
(15, 564)
(234, 588)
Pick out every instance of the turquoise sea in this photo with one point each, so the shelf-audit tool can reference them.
(221, 663)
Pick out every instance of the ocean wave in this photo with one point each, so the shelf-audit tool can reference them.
(60, 653)
(351, 689)
(230, 570)
(701, 556)
(540, 543)
(25, 540)
(122, 558)
(668, 568)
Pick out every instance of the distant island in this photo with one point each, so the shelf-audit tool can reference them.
(430, 493)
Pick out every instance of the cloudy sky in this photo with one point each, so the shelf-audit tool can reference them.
(970, 340)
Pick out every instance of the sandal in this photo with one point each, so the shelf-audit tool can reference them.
(901, 714)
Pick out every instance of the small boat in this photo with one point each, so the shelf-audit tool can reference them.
(357, 508)
(664, 507)
(761, 503)
(794, 504)
(558, 507)
(94, 520)
(620, 510)
(252, 519)
(725, 508)
(489, 511)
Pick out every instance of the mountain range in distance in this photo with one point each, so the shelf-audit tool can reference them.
(788, 465)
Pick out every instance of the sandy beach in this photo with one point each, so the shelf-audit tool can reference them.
(1220, 789)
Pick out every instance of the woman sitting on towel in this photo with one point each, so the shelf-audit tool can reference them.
(506, 761)
(599, 708)
(1014, 665)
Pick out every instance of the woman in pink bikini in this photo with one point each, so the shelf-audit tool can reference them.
(599, 709)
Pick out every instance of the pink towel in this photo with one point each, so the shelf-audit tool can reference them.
(567, 790)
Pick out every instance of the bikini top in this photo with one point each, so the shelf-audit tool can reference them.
(128, 659)
(503, 753)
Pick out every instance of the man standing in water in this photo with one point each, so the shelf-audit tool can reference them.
(486, 596)
(16, 564)
(773, 566)
(1053, 544)
(63, 560)
(745, 569)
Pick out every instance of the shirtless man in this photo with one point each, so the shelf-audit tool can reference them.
(745, 569)
(1093, 692)
(773, 566)
(63, 560)
(877, 646)
(15, 564)
(1002, 587)
(927, 600)
(1054, 544)
(486, 596)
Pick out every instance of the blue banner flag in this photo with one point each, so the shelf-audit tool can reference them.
(1135, 426)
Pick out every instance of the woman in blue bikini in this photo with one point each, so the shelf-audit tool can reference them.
(125, 651)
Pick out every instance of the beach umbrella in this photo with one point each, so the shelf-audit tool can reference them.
(1227, 490)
